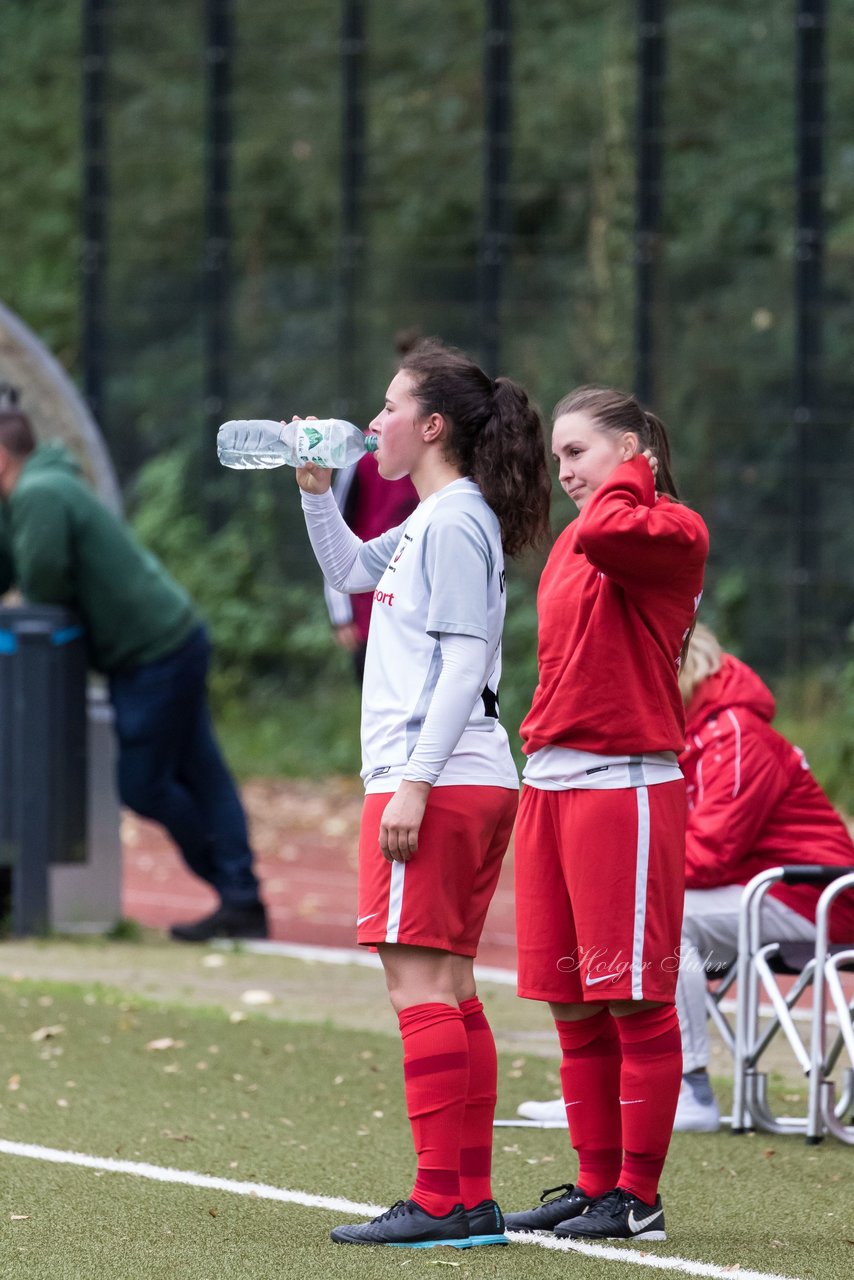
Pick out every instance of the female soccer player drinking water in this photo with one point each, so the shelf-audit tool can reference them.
(441, 786)
(600, 841)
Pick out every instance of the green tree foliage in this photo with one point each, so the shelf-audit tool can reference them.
(723, 310)
(40, 167)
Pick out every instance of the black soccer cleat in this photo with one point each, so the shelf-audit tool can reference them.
(249, 921)
(486, 1223)
(407, 1226)
(549, 1213)
(618, 1215)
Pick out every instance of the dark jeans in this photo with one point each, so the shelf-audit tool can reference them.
(171, 768)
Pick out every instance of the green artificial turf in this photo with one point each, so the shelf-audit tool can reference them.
(318, 1107)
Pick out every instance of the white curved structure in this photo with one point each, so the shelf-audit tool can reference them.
(53, 403)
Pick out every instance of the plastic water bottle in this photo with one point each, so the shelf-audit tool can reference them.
(255, 443)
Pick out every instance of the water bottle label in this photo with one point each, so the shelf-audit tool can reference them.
(309, 445)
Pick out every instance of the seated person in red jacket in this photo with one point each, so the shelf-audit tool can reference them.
(752, 804)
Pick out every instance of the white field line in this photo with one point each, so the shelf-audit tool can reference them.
(262, 1191)
(159, 1173)
(370, 960)
(359, 956)
(682, 1266)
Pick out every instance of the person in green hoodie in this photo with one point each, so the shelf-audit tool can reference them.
(61, 545)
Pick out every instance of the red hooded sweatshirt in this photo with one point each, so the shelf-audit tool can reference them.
(616, 599)
(753, 803)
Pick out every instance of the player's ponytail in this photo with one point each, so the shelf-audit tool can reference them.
(660, 446)
(495, 435)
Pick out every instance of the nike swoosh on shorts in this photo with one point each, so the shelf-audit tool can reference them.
(362, 919)
(605, 976)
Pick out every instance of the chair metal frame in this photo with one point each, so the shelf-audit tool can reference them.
(817, 966)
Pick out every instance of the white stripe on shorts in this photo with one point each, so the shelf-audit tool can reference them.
(395, 901)
(641, 876)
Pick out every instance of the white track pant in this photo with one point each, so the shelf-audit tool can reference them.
(710, 936)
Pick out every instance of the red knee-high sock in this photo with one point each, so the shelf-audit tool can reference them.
(649, 1090)
(436, 1073)
(476, 1147)
(590, 1079)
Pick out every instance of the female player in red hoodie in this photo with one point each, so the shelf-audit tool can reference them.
(753, 804)
(600, 839)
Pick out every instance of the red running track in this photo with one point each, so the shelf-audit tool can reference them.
(305, 840)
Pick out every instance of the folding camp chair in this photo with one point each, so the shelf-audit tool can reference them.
(816, 970)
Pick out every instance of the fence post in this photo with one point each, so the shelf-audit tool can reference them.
(496, 184)
(810, 23)
(650, 179)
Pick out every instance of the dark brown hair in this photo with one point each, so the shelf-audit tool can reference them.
(616, 412)
(16, 433)
(495, 437)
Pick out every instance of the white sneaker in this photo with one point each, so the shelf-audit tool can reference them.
(693, 1116)
(551, 1113)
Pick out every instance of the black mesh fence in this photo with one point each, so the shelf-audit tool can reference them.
(320, 287)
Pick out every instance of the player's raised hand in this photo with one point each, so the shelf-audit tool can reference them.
(652, 460)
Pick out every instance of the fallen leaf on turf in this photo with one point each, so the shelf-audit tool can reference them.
(440, 1262)
(14, 1083)
(213, 961)
(165, 1042)
(769, 1151)
(47, 1033)
(258, 997)
(237, 1016)
(212, 1212)
(19, 1217)
(733, 1266)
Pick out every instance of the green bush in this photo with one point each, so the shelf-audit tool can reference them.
(270, 629)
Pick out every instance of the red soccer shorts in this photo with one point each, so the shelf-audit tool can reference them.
(600, 883)
(439, 898)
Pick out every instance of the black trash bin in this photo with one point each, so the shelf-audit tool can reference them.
(42, 753)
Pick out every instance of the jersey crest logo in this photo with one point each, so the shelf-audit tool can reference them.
(401, 548)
